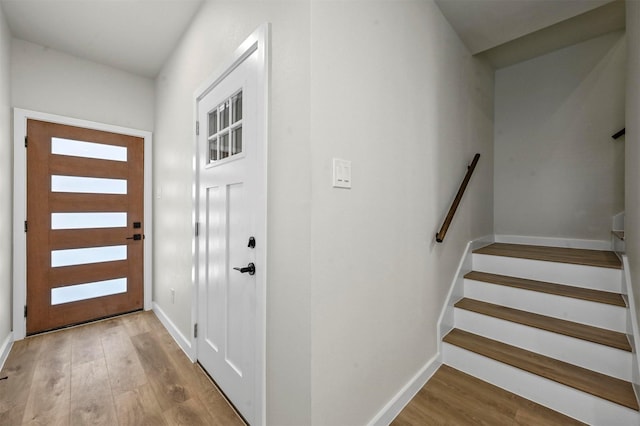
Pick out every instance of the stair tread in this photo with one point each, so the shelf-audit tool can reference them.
(597, 384)
(589, 333)
(599, 296)
(600, 258)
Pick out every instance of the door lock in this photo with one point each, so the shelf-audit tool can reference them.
(136, 237)
(250, 268)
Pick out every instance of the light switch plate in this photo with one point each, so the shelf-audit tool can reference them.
(341, 173)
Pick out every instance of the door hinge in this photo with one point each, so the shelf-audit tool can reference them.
(25, 141)
(25, 311)
(197, 229)
(197, 127)
(26, 227)
(195, 330)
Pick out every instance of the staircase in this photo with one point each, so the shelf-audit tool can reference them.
(549, 324)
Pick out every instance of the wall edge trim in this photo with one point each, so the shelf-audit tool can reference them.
(395, 405)
(5, 349)
(181, 339)
(554, 242)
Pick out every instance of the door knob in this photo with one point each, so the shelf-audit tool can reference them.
(250, 268)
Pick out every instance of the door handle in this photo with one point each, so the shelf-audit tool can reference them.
(136, 237)
(250, 268)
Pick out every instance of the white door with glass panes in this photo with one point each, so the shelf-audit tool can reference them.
(229, 188)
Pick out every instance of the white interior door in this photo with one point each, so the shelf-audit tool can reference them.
(229, 192)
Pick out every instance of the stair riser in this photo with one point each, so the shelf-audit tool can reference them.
(574, 403)
(561, 273)
(603, 359)
(567, 308)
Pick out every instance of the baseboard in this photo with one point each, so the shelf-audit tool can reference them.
(634, 330)
(555, 242)
(5, 349)
(391, 410)
(456, 289)
(181, 339)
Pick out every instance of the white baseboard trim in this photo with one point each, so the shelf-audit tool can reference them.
(456, 289)
(634, 330)
(406, 394)
(555, 242)
(5, 349)
(181, 339)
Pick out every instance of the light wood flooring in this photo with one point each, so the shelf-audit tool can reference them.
(122, 371)
(451, 397)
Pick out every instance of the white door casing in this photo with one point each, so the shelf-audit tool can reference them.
(230, 209)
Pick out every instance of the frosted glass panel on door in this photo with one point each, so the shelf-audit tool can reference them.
(88, 220)
(100, 151)
(70, 257)
(88, 185)
(73, 293)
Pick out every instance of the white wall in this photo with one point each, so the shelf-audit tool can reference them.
(6, 181)
(46, 80)
(395, 91)
(215, 34)
(356, 281)
(558, 173)
(632, 145)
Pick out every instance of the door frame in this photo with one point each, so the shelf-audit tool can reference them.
(20, 117)
(258, 43)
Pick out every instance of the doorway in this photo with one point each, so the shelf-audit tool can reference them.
(84, 224)
(230, 262)
(82, 203)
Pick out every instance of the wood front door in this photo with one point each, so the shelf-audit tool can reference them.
(84, 225)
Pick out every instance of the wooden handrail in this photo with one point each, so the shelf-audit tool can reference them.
(620, 133)
(452, 211)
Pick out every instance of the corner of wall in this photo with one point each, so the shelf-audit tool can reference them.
(186, 344)
(391, 410)
(632, 323)
(5, 349)
(6, 180)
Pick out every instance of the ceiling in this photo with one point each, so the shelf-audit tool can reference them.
(139, 35)
(132, 35)
(484, 24)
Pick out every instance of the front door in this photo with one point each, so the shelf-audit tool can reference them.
(84, 225)
(229, 191)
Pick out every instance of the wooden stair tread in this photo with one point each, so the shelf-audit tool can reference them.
(597, 384)
(600, 258)
(599, 296)
(589, 333)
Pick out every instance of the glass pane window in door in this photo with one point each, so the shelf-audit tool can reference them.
(83, 256)
(88, 220)
(236, 107)
(224, 115)
(73, 148)
(74, 293)
(213, 149)
(213, 122)
(224, 145)
(236, 139)
(88, 185)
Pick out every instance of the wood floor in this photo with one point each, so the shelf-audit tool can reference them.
(122, 371)
(455, 398)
